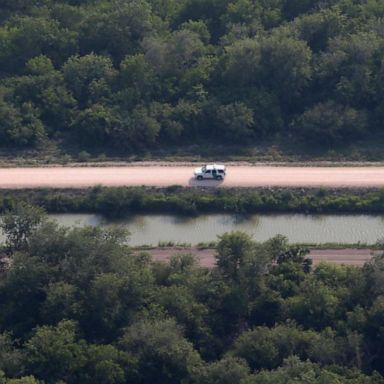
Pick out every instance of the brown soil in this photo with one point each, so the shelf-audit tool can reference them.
(349, 256)
(160, 176)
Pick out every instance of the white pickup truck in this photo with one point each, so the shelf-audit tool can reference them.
(210, 171)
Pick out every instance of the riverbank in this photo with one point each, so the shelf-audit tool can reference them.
(123, 201)
(347, 256)
(281, 151)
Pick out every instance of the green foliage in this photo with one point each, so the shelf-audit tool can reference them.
(53, 352)
(228, 370)
(234, 121)
(163, 354)
(11, 359)
(124, 76)
(296, 371)
(19, 224)
(329, 124)
(78, 306)
(120, 201)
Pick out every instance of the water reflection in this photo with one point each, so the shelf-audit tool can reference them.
(150, 229)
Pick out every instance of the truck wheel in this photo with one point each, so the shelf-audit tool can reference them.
(199, 177)
(219, 177)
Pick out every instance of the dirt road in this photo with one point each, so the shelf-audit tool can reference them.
(356, 257)
(160, 176)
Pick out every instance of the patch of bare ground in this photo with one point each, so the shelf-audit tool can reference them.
(347, 256)
(242, 176)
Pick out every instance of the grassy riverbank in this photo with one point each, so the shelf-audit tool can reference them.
(367, 152)
(118, 202)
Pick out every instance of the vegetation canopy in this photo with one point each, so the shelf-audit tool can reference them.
(79, 306)
(121, 76)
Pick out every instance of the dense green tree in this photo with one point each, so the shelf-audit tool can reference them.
(316, 306)
(137, 79)
(77, 305)
(328, 124)
(135, 130)
(180, 303)
(20, 126)
(349, 66)
(61, 302)
(228, 370)
(11, 358)
(85, 74)
(318, 28)
(53, 353)
(285, 65)
(27, 37)
(93, 126)
(106, 365)
(296, 371)
(116, 28)
(23, 380)
(265, 347)
(233, 71)
(163, 354)
(235, 121)
(19, 224)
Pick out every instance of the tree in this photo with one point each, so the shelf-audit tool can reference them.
(318, 28)
(83, 74)
(164, 355)
(61, 302)
(228, 370)
(135, 130)
(9, 118)
(346, 69)
(137, 79)
(285, 66)
(117, 28)
(266, 348)
(53, 353)
(29, 36)
(316, 306)
(94, 125)
(19, 224)
(106, 365)
(241, 63)
(39, 65)
(235, 121)
(232, 253)
(11, 358)
(22, 380)
(296, 371)
(22, 293)
(30, 131)
(329, 124)
(180, 303)
(20, 125)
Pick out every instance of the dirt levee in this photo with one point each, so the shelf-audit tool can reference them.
(160, 176)
(347, 256)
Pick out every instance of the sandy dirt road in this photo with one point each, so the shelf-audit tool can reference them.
(160, 176)
(347, 256)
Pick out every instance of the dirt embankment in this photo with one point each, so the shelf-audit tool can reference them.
(162, 176)
(348, 256)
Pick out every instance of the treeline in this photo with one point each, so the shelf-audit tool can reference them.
(128, 75)
(77, 306)
(122, 201)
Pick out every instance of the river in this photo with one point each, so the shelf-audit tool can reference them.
(300, 228)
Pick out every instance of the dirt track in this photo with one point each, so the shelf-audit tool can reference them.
(356, 257)
(160, 176)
